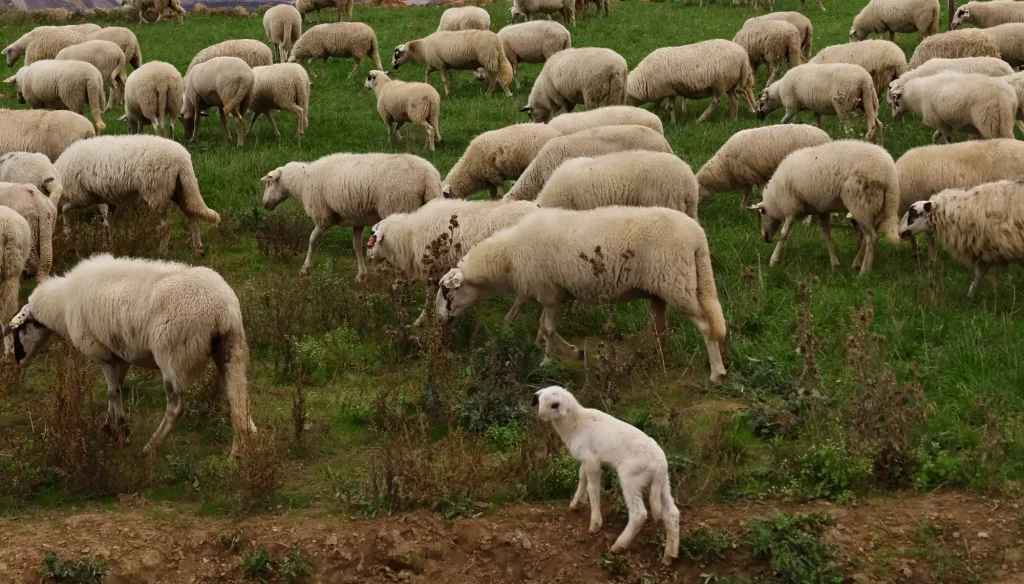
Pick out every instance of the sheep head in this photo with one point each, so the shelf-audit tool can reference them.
(538, 115)
(273, 191)
(769, 101)
(962, 15)
(918, 219)
(455, 294)
(553, 403)
(857, 35)
(375, 78)
(11, 56)
(895, 100)
(400, 56)
(768, 223)
(28, 336)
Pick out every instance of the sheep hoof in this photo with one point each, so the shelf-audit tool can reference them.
(594, 528)
(581, 355)
(717, 378)
(616, 548)
(667, 560)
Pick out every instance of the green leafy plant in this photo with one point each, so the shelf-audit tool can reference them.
(792, 545)
(82, 571)
(706, 544)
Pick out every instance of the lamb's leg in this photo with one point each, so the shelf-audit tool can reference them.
(892, 36)
(240, 126)
(314, 241)
(933, 250)
(826, 232)
(817, 120)
(252, 121)
(165, 229)
(193, 232)
(9, 284)
(499, 191)
(711, 108)
(224, 123)
(913, 246)
(633, 494)
(783, 234)
(357, 245)
(175, 408)
(114, 372)
(299, 117)
(659, 316)
(581, 489)
(593, 470)
(734, 105)
(323, 68)
(980, 269)
(859, 259)
(672, 109)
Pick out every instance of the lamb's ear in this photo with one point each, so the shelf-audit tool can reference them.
(452, 279)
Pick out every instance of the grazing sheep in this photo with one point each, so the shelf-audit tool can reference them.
(530, 9)
(610, 115)
(583, 5)
(154, 94)
(225, 82)
(802, 24)
(977, 104)
(1016, 81)
(168, 316)
(283, 25)
(44, 131)
(340, 40)
(750, 157)
(883, 60)
(494, 157)
(1010, 40)
(834, 89)
(123, 38)
(46, 44)
(570, 77)
(108, 59)
(465, 18)
(596, 142)
(158, 6)
(344, 8)
(32, 168)
(41, 215)
(530, 42)
(979, 227)
(955, 44)
(840, 176)
(991, 66)
(988, 14)
(15, 247)
(769, 42)
(16, 50)
(118, 170)
(70, 85)
(401, 102)
(280, 87)
(707, 69)
(595, 438)
(254, 53)
(893, 16)
(354, 190)
(547, 258)
(405, 240)
(464, 49)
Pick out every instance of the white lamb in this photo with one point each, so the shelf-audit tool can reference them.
(530, 42)
(41, 216)
(464, 49)
(253, 52)
(465, 18)
(587, 76)
(283, 25)
(154, 94)
(530, 9)
(355, 190)
(610, 115)
(108, 59)
(1010, 40)
(495, 157)
(955, 44)
(802, 24)
(883, 60)
(769, 42)
(977, 104)
(48, 132)
(988, 14)
(893, 16)
(15, 247)
(122, 312)
(226, 83)
(991, 66)
(32, 168)
(834, 89)
(595, 438)
(401, 102)
(70, 85)
(340, 40)
(281, 87)
(123, 38)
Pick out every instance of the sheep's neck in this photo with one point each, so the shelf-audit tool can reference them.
(567, 425)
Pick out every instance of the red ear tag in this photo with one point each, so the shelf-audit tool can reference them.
(372, 240)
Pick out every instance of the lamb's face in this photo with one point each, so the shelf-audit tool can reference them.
(538, 115)
(399, 57)
(552, 403)
(371, 80)
(768, 224)
(895, 100)
(918, 219)
(768, 102)
(273, 191)
(856, 35)
(962, 15)
(28, 337)
(455, 293)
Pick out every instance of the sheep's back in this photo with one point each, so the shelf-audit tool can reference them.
(987, 223)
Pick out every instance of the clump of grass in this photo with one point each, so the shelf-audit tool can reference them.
(79, 571)
(705, 545)
(792, 545)
(291, 567)
(259, 471)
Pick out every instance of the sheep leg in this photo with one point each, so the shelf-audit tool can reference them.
(175, 408)
(1020, 126)
(633, 494)
(933, 250)
(782, 239)
(826, 232)
(273, 124)
(300, 115)
(748, 191)
(252, 122)
(581, 489)
(431, 294)
(659, 316)
(860, 252)
(817, 120)
(193, 234)
(430, 134)
(711, 108)
(240, 123)
(357, 245)
(913, 246)
(447, 91)
(114, 372)
(355, 67)
(672, 108)
(517, 307)
(789, 116)
(323, 68)
(593, 470)
(980, 269)
(773, 71)
(870, 236)
(734, 105)
(549, 322)
(499, 191)
(314, 241)
(9, 285)
(165, 230)
(224, 123)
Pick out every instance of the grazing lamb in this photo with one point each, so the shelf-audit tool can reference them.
(750, 157)
(354, 190)
(979, 227)
(344, 8)
(283, 25)
(123, 38)
(15, 247)
(32, 168)
(108, 59)
(154, 94)
(648, 252)
(596, 142)
(587, 76)
(225, 82)
(46, 44)
(840, 176)
(281, 87)
(16, 50)
(44, 131)
(893, 16)
(118, 170)
(464, 49)
(988, 14)
(254, 53)
(609, 115)
(1010, 40)
(41, 216)
(802, 24)
(530, 9)
(769, 42)
(401, 102)
(158, 6)
(122, 312)
(70, 85)
(834, 89)
(530, 42)
(465, 18)
(707, 69)
(955, 44)
(991, 66)
(595, 438)
(340, 40)
(494, 157)
(883, 60)
(977, 104)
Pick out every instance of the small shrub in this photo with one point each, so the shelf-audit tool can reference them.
(706, 544)
(259, 468)
(82, 571)
(792, 544)
(257, 566)
(617, 566)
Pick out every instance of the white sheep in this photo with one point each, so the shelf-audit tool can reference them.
(464, 49)
(769, 42)
(154, 94)
(120, 170)
(15, 247)
(991, 66)
(158, 6)
(223, 82)
(401, 102)
(32, 168)
(612, 115)
(595, 438)
(1010, 40)
(339, 40)
(70, 85)
(253, 52)
(283, 25)
(1016, 81)
(977, 104)
(494, 157)
(123, 38)
(530, 42)
(979, 227)
(344, 8)
(108, 59)
(32, 204)
(587, 76)
(465, 18)
(749, 158)
(281, 87)
(167, 316)
(530, 9)
(355, 190)
(549, 257)
(46, 44)
(48, 132)
(834, 89)
(16, 50)
(841, 176)
(583, 5)
(802, 24)
(706, 69)
(988, 14)
(893, 16)
(955, 44)
(883, 60)
(596, 142)
(405, 240)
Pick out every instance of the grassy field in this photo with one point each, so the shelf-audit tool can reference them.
(839, 387)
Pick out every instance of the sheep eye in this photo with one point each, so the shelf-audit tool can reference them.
(554, 406)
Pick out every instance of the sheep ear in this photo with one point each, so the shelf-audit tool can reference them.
(927, 206)
(453, 279)
(19, 319)
(9, 79)
(536, 399)
(272, 176)
(526, 109)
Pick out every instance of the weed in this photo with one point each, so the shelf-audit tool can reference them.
(706, 544)
(257, 566)
(808, 344)
(615, 565)
(258, 471)
(82, 571)
(792, 544)
(293, 566)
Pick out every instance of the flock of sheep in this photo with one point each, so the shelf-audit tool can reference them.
(602, 181)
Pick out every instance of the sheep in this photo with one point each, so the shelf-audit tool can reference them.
(988, 14)
(16, 50)
(834, 89)
(118, 170)
(339, 40)
(108, 59)
(955, 44)
(401, 102)
(530, 9)
(344, 8)
(991, 66)
(595, 438)
(769, 42)
(570, 77)
(707, 69)
(893, 16)
(802, 24)
(158, 6)
(549, 256)
(71, 85)
(749, 158)
(160, 315)
(635, 178)
(354, 190)
(225, 82)
(583, 5)
(154, 94)
(29, 202)
(978, 104)
(530, 42)
(46, 44)
(284, 86)
(1016, 81)
(123, 38)
(405, 239)
(465, 18)
(15, 247)
(1010, 40)
(45, 131)
(32, 168)
(883, 60)
(494, 157)
(283, 25)
(464, 49)
(845, 175)
(980, 228)
(254, 53)
(596, 142)
(614, 115)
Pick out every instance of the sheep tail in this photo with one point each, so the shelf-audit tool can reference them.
(232, 359)
(504, 68)
(796, 56)
(94, 93)
(747, 81)
(375, 52)
(161, 106)
(617, 88)
(890, 221)
(869, 98)
(192, 202)
(707, 293)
